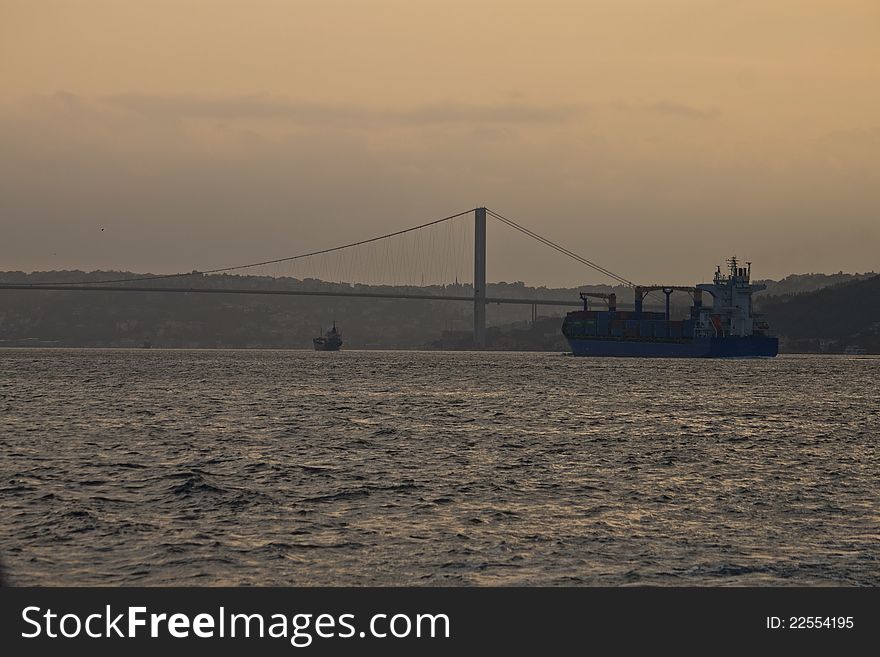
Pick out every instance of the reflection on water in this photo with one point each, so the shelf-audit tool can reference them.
(297, 468)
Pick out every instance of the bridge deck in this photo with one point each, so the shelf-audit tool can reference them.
(306, 293)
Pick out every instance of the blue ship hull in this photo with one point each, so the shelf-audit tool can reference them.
(754, 346)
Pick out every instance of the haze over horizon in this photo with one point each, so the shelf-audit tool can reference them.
(653, 138)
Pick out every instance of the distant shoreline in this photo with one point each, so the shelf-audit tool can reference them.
(365, 349)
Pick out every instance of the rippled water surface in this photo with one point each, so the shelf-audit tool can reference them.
(356, 468)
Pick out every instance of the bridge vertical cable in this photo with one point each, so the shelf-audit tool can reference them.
(561, 249)
(438, 252)
(384, 257)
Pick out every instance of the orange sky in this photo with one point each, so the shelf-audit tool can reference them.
(205, 132)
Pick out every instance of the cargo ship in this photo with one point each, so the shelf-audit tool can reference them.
(729, 328)
(330, 341)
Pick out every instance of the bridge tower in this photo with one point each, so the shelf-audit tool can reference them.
(480, 277)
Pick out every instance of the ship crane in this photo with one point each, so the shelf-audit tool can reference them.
(641, 291)
(610, 299)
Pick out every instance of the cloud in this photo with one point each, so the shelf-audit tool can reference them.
(168, 109)
(190, 106)
(669, 107)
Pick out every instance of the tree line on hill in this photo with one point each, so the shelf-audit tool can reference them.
(841, 318)
(810, 312)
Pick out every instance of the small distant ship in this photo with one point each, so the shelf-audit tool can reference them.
(330, 341)
(727, 329)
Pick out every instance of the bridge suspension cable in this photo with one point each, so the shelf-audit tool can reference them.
(217, 270)
(300, 256)
(561, 249)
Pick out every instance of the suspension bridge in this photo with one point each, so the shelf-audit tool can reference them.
(372, 260)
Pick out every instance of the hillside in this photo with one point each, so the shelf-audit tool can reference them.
(111, 319)
(800, 283)
(832, 319)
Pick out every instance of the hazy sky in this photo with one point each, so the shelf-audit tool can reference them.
(653, 137)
